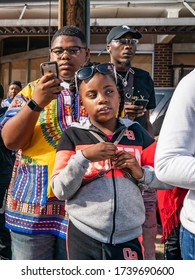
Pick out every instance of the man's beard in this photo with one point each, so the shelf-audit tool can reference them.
(125, 63)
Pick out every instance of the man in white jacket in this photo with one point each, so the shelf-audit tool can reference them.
(175, 156)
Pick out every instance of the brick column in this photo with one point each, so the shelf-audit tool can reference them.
(162, 62)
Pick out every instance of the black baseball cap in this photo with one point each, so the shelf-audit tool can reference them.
(118, 31)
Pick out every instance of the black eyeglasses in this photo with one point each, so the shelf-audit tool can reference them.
(72, 51)
(126, 41)
(87, 72)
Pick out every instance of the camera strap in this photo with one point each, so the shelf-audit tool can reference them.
(103, 172)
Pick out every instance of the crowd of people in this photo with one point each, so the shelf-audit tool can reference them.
(81, 158)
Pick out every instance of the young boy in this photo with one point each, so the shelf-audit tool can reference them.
(100, 166)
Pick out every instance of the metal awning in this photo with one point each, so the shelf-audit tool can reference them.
(24, 18)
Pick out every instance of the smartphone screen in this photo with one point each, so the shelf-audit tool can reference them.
(49, 67)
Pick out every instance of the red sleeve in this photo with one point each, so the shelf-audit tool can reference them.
(147, 157)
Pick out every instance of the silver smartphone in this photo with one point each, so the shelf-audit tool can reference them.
(49, 67)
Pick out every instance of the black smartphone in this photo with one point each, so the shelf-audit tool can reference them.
(49, 67)
(141, 102)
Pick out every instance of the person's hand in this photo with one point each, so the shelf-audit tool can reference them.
(46, 89)
(128, 163)
(133, 111)
(100, 151)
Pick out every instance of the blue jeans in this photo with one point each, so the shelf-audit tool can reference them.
(187, 244)
(37, 246)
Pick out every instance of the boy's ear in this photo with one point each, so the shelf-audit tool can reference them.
(87, 55)
(108, 48)
(81, 104)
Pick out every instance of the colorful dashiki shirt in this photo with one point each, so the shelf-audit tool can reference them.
(31, 204)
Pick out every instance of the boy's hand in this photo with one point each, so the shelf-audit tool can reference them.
(129, 163)
(46, 89)
(100, 151)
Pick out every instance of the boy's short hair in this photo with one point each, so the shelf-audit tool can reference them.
(69, 30)
(18, 83)
(1, 92)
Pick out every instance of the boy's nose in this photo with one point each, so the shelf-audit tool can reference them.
(103, 98)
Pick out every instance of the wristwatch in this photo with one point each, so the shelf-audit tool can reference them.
(34, 106)
(142, 182)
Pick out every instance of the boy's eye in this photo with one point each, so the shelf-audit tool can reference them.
(91, 95)
(58, 51)
(109, 91)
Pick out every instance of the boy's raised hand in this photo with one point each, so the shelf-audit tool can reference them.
(100, 151)
(46, 89)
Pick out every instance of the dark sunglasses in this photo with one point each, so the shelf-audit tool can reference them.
(87, 72)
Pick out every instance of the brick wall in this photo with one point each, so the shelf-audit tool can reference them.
(162, 61)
